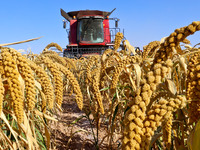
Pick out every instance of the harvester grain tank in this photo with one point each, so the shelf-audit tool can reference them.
(89, 32)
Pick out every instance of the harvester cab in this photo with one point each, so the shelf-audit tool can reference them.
(89, 32)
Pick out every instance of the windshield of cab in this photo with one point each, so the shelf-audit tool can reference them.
(90, 30)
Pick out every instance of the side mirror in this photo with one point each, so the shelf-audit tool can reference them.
(116, 23)
(64, 24)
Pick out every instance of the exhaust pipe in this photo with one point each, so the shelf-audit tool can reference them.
(110, 13)
(65, 15)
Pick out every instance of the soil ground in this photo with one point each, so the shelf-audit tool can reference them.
(77, 136)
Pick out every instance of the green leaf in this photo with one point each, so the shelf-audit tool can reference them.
(115, 113)
(104, 89)
(76, 120)
(3, 117)
(40, 140)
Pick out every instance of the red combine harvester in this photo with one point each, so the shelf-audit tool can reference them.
(89, 33)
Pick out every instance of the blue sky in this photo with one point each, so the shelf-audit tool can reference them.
(143, 21)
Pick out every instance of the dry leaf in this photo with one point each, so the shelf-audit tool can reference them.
(171, 86)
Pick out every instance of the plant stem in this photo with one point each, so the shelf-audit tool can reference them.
(97, 124)
(92, 130)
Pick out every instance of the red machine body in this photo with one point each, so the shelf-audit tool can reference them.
(73, 34)
(89, 32)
